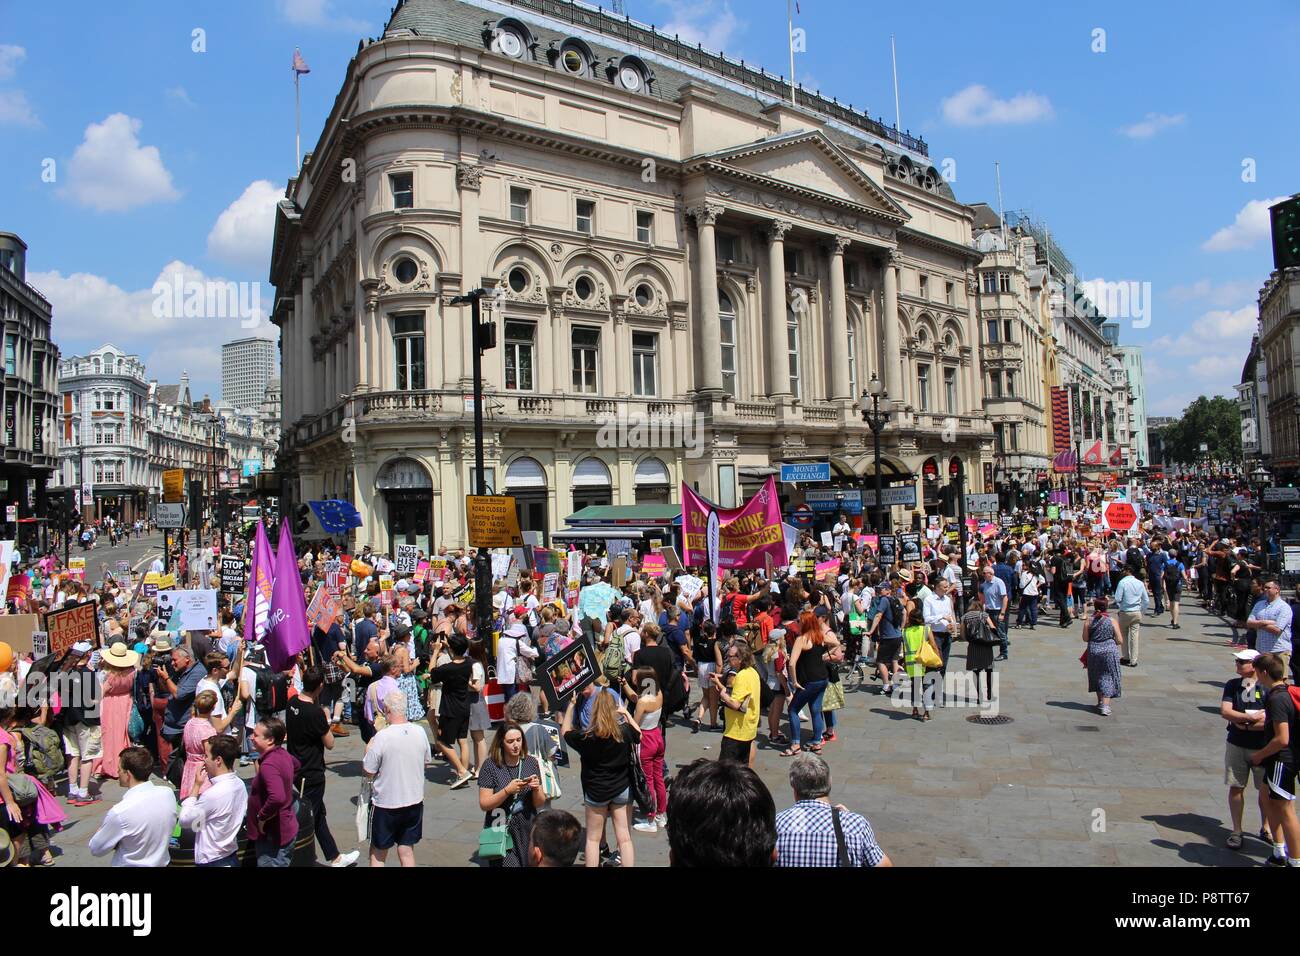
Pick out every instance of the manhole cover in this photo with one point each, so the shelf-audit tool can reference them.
(991, 721)
(1094, 730)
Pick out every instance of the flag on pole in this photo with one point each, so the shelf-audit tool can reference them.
(258, 604)
(286, 626)
(299, 64)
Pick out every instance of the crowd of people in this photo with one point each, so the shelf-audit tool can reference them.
(402, 664)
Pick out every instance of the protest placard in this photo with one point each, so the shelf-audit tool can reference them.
(407, 558)
(567, 673)
(234, 574)
(67, 626)
(654, 565)
(193, 610)
(323, 609)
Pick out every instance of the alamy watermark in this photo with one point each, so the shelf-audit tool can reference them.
(630, 430)
(208, 299)
(1100, 299)
(960, 689)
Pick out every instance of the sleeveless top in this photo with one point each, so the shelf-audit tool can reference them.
(1101, 630)
(810, 666)
(649, 721)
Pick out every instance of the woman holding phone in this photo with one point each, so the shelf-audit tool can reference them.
(606, 749)
(510, 791)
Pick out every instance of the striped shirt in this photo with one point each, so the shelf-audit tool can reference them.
(805, 836)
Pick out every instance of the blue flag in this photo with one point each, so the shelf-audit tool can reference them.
(336, 517)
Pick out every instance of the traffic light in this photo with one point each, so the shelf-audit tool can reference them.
(70, 516)
(196, 505)
(1286, 232)
(485, 336)
(302, 519)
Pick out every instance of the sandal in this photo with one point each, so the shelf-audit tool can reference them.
(778, 739)
(791, 751)
(815, 748)
(1234, 841)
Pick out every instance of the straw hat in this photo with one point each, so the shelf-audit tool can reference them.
(119, 655)
(8, 855)
(162, 641)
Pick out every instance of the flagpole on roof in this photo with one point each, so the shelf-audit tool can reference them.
(898, 116)
(789, 37)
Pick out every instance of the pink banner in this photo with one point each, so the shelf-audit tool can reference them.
(654, 565)
(746, 534)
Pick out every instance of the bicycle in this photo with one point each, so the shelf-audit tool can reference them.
(853, 676)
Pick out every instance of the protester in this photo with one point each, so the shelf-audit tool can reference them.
(395, 760)
(1243, 707)
(605, 748)
(218, 807)
(510, 792)
(272, 821)
(137, 829)
(1105, 644)
(720, 814)
(815, 833)
(555, 840)
(1279, 759)
(309, 734)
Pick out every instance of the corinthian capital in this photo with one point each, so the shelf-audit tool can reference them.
(837, 244)
(704, 214)
(776, 230)
(469, 175)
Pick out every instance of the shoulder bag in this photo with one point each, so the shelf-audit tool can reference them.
(494, 842)
(841, 846)
(641, 794)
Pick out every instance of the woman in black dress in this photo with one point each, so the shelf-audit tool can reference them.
(510, 791)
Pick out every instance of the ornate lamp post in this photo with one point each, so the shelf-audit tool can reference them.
(876, 421)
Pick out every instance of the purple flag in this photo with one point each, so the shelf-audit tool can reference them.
(258, 603)
(286, 626)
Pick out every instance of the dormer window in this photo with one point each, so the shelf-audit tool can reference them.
(629, 73)
(573, 57)
(508, 37)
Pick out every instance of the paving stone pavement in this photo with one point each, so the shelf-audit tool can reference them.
(1058, 786)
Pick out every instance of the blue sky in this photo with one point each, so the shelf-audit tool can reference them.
(169, 160)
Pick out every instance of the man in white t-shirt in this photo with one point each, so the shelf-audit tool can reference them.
(395, 762)
(216, 679)
(630, 629)
(157, 566)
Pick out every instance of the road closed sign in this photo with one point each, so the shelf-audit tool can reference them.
(1120, 515)
(493, 522)
(174, 485)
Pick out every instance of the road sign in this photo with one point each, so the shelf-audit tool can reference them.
(982, 503)
(1120, 515)
(806, 471)
(174, 486)
(11, 513)
(493, 522)
(168, 515)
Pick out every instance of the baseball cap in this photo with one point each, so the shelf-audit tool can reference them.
(521, 610)
(1246, 655)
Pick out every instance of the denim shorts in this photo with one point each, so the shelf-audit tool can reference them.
(622, 799)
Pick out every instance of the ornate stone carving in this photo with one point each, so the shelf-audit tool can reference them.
(532, 294)
(751, 283)
(457, 89)
(776, 229)
(557, 251)
(837, 245)
(657, 305)
(469, 176)
(597, 302)
(893, 257)
(972, 287)
(423, 284)
(705, 214)
(679, 324)
(618, 260)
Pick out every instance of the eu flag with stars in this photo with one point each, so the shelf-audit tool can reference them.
(335, 516)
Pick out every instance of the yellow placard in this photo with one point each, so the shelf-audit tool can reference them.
(174, 485)
(385, 582)
(76, 564)
(166, 581)
(493, 522)
(153, 577)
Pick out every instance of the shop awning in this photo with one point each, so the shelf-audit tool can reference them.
(645, 515)
(606, 533)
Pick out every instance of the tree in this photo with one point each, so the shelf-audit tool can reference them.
(1214, 422)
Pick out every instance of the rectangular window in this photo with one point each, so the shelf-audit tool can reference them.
(726, 247)
(950, 293)
(1011, 384)
(586, 216)
(990, 283)
(851, 274)
(408, 342)
(950, 390)
(792, 350)
(645, 226)
(645, 357)
(110, 401)
(923, 387)
(1011, 438)
(11, 354)
(727, 486)
(519, 356)
(853, 362)
(999, 442)
(992, 326)
(996, 379)
(1004, 281)
(403, 186)
(1007, 328)
(519, 204)
(727, 326)
(586, 352)
(792, 262)
(923, 286)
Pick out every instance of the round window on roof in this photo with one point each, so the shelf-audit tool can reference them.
(644, 294)
(518, 280)
(508, 41)
(584, 288)
(405, 270)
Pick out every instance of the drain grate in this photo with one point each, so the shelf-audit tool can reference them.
(1090, 730)
(989, 721)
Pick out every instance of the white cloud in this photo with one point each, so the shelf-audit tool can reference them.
(178, 94)
(15, 110)
(1222, 295)
(1250, 226)
(87, 307)
(112, 172)
(976, 105)
(320, 13)
(699, 22)
(10, 57)
(1152, 124)
(242, 233)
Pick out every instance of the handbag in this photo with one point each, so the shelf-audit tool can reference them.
(365, 810)
(644, 799)
(23, 787)
(494, 841)
(928, 658)
(550, 779)
(135, 725)
(833, 698)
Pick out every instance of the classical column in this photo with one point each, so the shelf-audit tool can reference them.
(974, 380)
(891, 360)
(305, 307)
(839, 322)
(778, 369)
(708, 374)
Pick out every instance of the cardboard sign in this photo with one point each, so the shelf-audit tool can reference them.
(438, 568)
(19, 632)
(888, 550)
(194, 610)
(567, 673)
(40, 644)
(385, 582)
(77, 567)
(166, 581)
(654, 565)
(500, 566)
(550, 586)
(828, 571)
(909, 543)
(335, 577)
(464, 596)
(233, 574)
(76, 622)
(618, 576)
(674, 560)
(421, 572)
(573, 578)
(493, 522)
(689, 584)
(323, 609)
(408, 558)
(828, 540)
(124, 567)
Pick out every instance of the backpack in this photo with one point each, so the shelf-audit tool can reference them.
(727, 611)
(1174, 572)
(271, 693)
(895, 611)
(614, 663)
(44, 752)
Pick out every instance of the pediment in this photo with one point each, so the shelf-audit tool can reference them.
(809, 161)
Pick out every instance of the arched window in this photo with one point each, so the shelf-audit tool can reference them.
(653, 485)
(727, 325)
(94, 364)
(525, 473)
(853, 360)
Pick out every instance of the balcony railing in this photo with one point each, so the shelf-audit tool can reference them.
(756, 411)
(821, 413)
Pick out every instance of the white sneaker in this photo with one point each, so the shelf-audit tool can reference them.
(346, 859)
(645, 826)
(661, 820)
(462, 780)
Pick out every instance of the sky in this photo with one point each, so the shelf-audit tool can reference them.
(135, 150)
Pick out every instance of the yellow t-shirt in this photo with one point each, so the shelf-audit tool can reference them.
(742, 725)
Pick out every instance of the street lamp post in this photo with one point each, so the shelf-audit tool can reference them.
(482, 337)
(876, 421)
(1261, 479)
